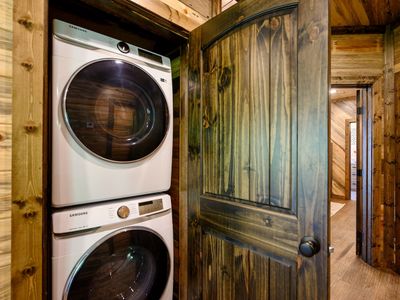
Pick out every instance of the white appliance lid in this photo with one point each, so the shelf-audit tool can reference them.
(88, 38)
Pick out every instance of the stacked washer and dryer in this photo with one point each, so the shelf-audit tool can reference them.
(111, 161)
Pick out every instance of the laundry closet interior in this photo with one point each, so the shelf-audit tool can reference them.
(155, 114)
(180, 149)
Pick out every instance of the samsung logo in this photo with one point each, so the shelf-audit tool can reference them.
(77, 28)
(78, 214)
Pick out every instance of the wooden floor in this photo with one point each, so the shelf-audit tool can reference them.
(351, 278)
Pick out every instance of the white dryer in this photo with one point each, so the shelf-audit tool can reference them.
(114, 250)
(111, 118)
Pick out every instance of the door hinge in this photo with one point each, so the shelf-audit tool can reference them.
(360, 111)
(359, 172)
(358, 242)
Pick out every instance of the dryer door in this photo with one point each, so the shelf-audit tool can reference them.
(130, 264)
(115, 110)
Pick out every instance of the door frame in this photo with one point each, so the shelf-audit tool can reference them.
(364, 202)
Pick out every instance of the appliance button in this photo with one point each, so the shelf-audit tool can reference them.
(123, 47)
(123, 212)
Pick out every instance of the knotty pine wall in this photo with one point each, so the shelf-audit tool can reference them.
(5, 146)
(378, 178)
(343, 107)
(386, 159)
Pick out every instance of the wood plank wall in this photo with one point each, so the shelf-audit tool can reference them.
(356, 58)
(29, 155)
(343, 107)
(6, 27)
(386, 153)
(378, 179)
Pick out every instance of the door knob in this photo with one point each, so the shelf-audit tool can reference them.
(309, 246)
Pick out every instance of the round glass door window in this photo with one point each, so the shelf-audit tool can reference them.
(116, 111)
(132, 265)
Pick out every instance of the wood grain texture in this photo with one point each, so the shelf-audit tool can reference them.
(203, 7)
(378, 171)
(194, 237)
(396, 33)
(283, 43)
(6, 28)
(341, 110)
(356, 59)
(234, 272)
(29, 88)
(389, 150)
(313, 141)
(183, 175)
(176, 12)
(256, 129)
(222, 106)
(359, 12)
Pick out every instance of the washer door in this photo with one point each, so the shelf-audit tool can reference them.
(131, 264)
(115, 110)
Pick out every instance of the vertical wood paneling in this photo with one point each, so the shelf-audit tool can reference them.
(389, 151)
(280, 111)
(194, 274)
(210, 127)
(226, 169)
(341, 110)
(247, 113)
(6, 28)
(279, 281)
(259, 110)
(28, 161)
(183, 175)
(234, 272)
(313, 139)
(378, 180)
(259, 277)
(241, 133)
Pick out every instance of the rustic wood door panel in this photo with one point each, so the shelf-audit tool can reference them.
(248, 111)
(234, 272)
(258, 151)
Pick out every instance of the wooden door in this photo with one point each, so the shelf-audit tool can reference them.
(258, 152)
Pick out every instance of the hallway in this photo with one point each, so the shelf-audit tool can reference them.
(351, 278)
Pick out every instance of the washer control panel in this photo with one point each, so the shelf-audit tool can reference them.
(103, 214)
(123, 212)
(150, 206)
(123, 47)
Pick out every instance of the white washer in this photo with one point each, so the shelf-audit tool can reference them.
(111, 118)
(114, 250)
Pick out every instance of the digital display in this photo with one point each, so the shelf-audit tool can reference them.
(150, 206)
(150, 55)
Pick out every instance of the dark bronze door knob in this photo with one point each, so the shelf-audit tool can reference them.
(309, 246)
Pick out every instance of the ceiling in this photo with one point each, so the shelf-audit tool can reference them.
(364, 12)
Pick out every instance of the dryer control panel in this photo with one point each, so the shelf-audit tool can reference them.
(113, 212)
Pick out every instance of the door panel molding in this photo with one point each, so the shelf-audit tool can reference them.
(242, 13)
